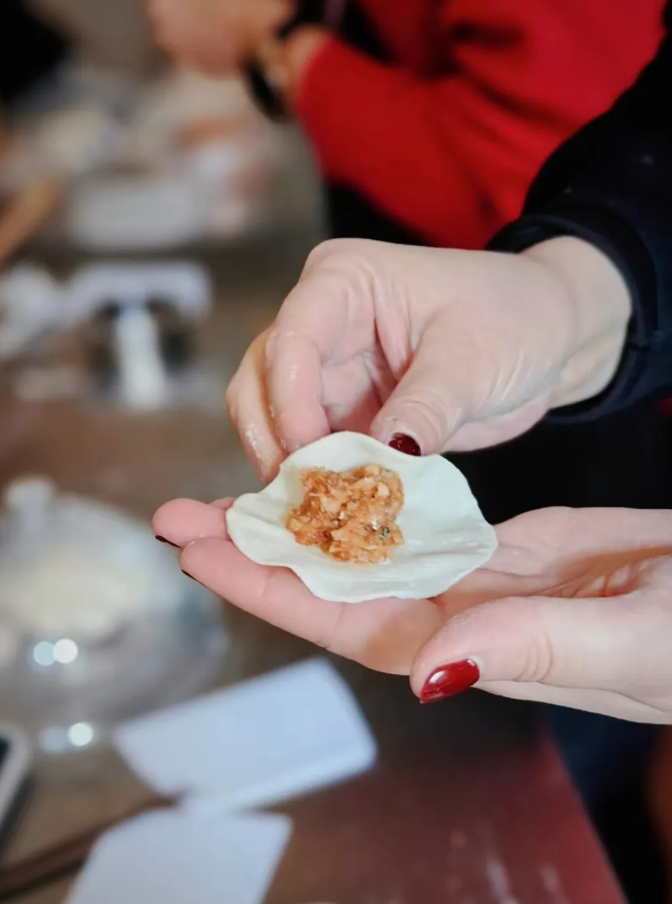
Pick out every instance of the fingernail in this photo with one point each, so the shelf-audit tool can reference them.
(405, 444)
(163, 540)
(449, 680)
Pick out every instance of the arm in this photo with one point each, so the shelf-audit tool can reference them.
(452, 155)
(612, 186)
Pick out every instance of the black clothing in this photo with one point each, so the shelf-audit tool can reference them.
(612, 185)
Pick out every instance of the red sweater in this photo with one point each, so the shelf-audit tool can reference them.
(447, 139)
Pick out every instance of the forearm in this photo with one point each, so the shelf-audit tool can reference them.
(611, 185)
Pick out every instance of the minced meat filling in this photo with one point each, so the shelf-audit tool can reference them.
(350, 515)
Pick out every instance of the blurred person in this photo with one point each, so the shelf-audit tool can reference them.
(429, 117)
(577, 323)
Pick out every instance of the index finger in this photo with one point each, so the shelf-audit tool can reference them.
(301, 343)
(251, 414)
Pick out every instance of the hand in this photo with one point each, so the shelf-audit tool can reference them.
(216, 36)
(575, 609)
(458, 350)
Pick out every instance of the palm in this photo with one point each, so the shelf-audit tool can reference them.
(556, 550)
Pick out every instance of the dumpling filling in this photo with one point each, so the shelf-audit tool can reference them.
(351, 516)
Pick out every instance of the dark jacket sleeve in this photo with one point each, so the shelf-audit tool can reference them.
(611, 184)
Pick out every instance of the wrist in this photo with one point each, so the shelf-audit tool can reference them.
(302, 48)
(277, 70)
(599, 306)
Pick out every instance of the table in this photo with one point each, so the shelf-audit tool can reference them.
(469, 803)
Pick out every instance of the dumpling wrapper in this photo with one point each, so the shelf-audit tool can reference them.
(445, 534)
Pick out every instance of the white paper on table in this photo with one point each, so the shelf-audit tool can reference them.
(254, 744)
(175, 857)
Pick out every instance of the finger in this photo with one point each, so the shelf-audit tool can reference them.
(327, 321)
(182, 521)
(441, 393)
(248, 407)
(224, 504)
(302, 342)
(381, 634)
(576, 643)
(432, 399)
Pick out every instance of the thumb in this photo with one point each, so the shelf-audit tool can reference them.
(576, 643)
(432, 399)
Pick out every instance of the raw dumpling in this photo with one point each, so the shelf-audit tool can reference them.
(445, 535)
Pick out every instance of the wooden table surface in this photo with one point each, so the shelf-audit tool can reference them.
(468, 804)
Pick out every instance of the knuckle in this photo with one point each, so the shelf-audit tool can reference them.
(538, 662)
(337, 252)
(520, 618)
(429, 409)
(319, 254)
(330, 638)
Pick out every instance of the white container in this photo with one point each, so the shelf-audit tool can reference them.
(97, 621)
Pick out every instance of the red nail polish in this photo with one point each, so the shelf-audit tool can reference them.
(405, 444)
(449, 680)
(163, 540)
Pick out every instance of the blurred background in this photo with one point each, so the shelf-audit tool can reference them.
(151, 222)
